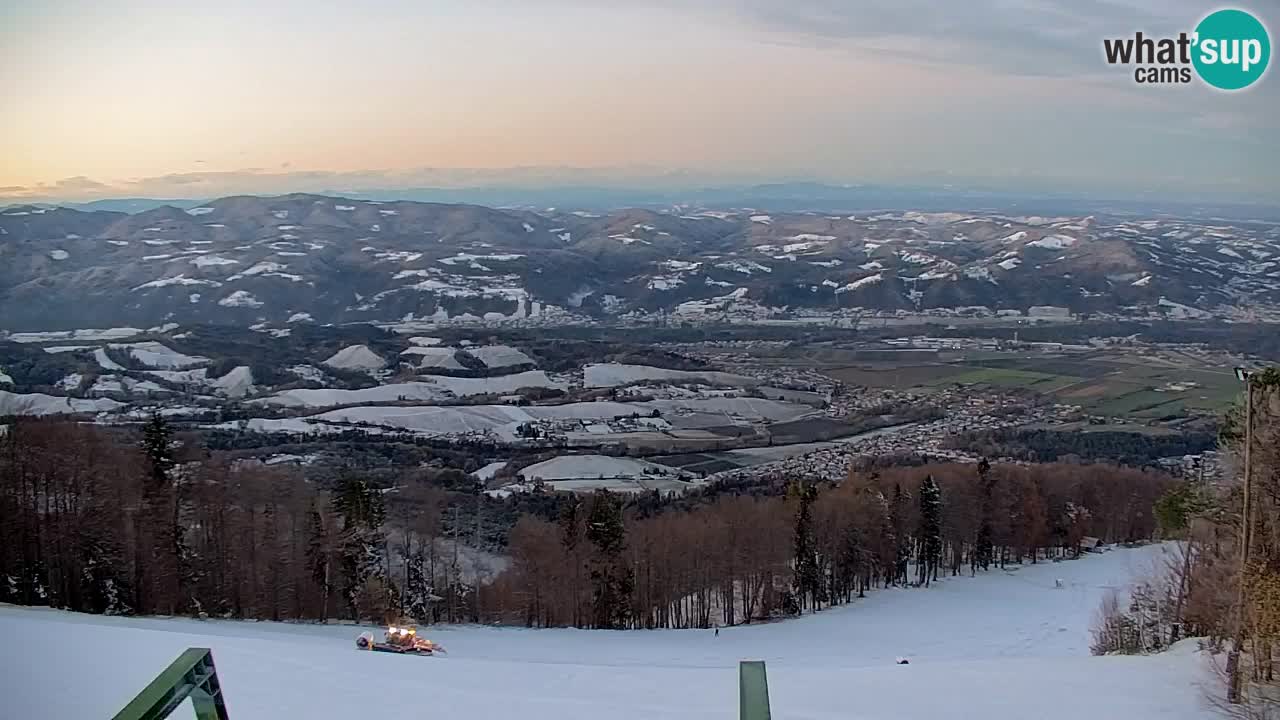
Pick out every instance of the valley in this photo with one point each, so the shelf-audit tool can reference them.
(569, 414)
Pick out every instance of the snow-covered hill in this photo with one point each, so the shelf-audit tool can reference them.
(1002, 646)
(300, 258)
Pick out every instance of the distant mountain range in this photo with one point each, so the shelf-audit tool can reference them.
(778, 197)
(309, 258)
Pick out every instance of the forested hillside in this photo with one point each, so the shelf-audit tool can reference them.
(112, 521)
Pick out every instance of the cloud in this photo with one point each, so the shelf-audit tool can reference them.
(13, 189)
(80, 183)
(1013, 37)
(1035, 37)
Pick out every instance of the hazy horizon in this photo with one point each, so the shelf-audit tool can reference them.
(135, 98)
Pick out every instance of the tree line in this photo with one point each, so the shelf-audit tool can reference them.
(99, 520)
(741, 558)
(114, 521)
(1125, 448)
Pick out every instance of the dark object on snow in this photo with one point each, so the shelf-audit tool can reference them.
(717, 632)
(903, 661)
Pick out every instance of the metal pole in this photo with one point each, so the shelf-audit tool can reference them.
(1234, 674)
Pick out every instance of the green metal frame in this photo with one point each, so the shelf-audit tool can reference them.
(192, 675)
(753, 691)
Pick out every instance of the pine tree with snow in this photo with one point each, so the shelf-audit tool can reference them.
(165, 574)
(930, 534)
(361, 546)
(419, 596)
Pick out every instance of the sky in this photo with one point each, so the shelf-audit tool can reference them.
(113, 98)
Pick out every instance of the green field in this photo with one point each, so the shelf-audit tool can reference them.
(1010, 378)
(1139, 385)
(900, 377)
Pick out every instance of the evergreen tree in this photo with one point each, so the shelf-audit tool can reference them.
(320, 559)
(419, 594)
(807, 582)
(983, 546)
(849, 563)
(361, 547)
(160, 449)
(161, 584)
(611, 578)
(570, 521)
(930, 535)
(275, 562)
(900, 539)
(106, 589)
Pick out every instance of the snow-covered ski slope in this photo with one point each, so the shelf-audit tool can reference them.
(1000, 646)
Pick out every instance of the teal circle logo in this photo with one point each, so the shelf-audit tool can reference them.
(1232, 49)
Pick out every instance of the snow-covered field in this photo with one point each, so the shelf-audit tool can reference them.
(356, 357)
(439, 358)
(501, 420)
(500, 356)
(1004, 646)
(40, 404)
(437, 389)
(156, 355)
(584, 473)
(580, 467)
(615, 374)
